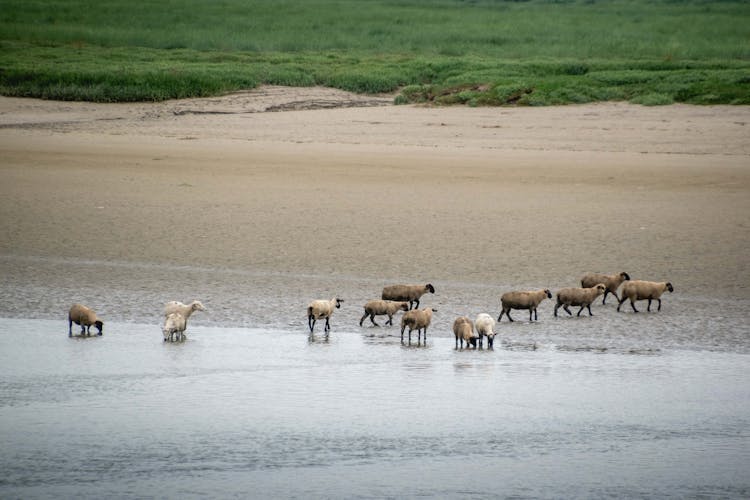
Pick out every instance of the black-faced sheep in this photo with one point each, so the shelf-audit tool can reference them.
(417, 319)
(174, 327)
(383, 307)
(523, 300)
(463, 329)
(319, 309)
(611, 281)
(644, 290)
(82, 315)
(485, 326)
(578, 297)
(407, 293)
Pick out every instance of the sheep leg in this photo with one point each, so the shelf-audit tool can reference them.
(328, 326)
(567, 310)
(311, 322)
(363, 318)
(579, 311)
(490, 341)
(557, 306)
(536, 315)
(649, 305)
(659, 308)
(70, 328)
(501, 315)
(604, 300)
(372, 318)
(402, 333)
(632, 304)
(507, 313)
(589, 307)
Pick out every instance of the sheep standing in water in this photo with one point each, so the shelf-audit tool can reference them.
(82, 315)
(383, 307)
(184, 309)
(417, 319)
(523, 300)
(578, 297)
(174, 327)
(485, 326)
(611, 281)
(644, 290)
(319, 309)
(407, 293)
(177, 325)
(463, 329)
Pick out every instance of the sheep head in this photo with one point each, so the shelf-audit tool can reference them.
(669, 287)
(338, 303)
(548, 293)
(197, 306)
(430, 288)
(625, 276)
(99, 326)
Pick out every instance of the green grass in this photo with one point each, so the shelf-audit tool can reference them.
(481, 52)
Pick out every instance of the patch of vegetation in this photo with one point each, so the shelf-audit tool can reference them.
(477, 53)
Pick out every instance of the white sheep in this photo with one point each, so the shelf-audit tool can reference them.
(319, 309)
(383, 307)
(407, 293)
(523, 300)
(485, 325)
(643, 290)
(463, 329)
(174, 327)
(578, 297)
(611, 281)
(417, 319)
(82, 315)
(185, 309)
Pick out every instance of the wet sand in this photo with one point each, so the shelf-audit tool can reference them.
(314, 182)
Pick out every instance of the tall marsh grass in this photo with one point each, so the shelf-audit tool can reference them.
(474, 52)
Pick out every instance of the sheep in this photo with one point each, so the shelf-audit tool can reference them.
(485, 326)
(319, 309)
(185, 309)
(523, 300)
(82, 315)
(417, 319)
(383, 307)
(611, 281)
(463, 329)
(642, 290)
(408, 293)
(578, 297)
(174, 327)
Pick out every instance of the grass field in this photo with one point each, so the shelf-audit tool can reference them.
(534, 52)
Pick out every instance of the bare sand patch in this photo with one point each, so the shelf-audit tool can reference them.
(507, 197)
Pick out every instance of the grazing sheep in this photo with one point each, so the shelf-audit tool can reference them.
(642, 290)
(578, 297)
(174, 327)
(417, 319)
(185, 309)
(319, 309)
(383, 307)
(611, 281)
(523, 300)
(463, 329)
(408, 293)
(485, 326)
(82, 315)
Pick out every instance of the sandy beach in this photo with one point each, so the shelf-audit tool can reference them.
(319, 182)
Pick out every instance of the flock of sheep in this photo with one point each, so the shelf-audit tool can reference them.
(406, 298)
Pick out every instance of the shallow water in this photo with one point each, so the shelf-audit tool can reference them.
(271, 412)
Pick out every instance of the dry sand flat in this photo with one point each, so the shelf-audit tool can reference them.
(345, 185)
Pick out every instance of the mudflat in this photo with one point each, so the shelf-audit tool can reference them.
(319, 182)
